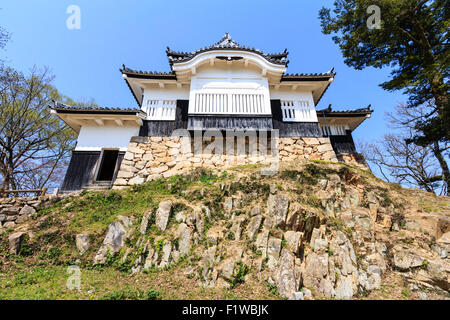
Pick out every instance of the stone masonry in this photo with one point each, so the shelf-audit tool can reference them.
(16, 211)
(150, 158)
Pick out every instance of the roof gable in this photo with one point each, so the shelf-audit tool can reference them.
(229, 44)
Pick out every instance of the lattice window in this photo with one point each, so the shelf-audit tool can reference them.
(161, 109)
(334, 130)
(298, 111)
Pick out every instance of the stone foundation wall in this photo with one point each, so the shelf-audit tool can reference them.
(16, 211)
(354, 159)
(150, 158)
(306, 148)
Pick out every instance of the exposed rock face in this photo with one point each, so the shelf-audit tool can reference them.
(163, 214)
(273, 252)
(207, 265)
(15, 241)
(315, 270)
(166, 251)
(144, 223)
(228, 205)
(285, 277)
(344, 288)
(332, 250)
(405, 260)
(294, 240)
(151, 259)
(261, 242)
(22, 219)
(112, 243)
(253, 226)
(236, 228)
(277, 209)
(185, 239)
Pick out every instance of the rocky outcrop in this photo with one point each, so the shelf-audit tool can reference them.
(144, 222)
(287, 276)
(163, 214)
(114, 240)
(185, 239)
(321, 233)
(15, 241)
(336, 249)
(277, 210)
(82, 242)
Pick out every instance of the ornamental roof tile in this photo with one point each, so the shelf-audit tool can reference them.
(226, 43)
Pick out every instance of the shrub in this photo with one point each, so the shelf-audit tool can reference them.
(239, 273)
(152, 294)
(273, 289)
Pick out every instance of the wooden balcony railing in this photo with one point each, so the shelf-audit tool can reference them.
(40, 192)
(229, 102)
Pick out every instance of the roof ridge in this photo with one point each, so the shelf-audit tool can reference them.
(226, 42)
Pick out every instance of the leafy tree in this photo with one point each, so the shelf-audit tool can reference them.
(413, 41)
(34, 146)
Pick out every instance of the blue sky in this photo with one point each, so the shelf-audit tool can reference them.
(86, 62)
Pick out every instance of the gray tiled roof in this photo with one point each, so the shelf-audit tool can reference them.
(330, 74)
(129, 71)
(226, 43)
(58, 106)
(329, 110)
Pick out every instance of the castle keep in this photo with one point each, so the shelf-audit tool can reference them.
(186, 118)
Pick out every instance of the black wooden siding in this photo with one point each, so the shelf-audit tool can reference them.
(230, 122)
(183, 121)
(292, 129)
(343, 144)
(164, 128)
(81, 170)
(119, 162)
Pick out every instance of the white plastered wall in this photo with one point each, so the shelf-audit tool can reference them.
(169, 92)
(301, 98)
(94, 138)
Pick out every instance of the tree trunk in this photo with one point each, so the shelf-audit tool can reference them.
(443, 164)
